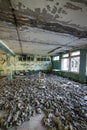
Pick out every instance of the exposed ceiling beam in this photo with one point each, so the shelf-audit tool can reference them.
(20, 20)
(16, 25)
(54, 50)
(5, 48)
(65, 45)
(35, 42)
(56, 27)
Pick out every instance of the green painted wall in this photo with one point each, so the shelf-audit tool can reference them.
(56, 64)
(81, 76)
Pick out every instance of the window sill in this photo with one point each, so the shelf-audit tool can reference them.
(69, 71)
(56, 70)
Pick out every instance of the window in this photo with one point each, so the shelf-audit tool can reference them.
(75, 61)
(44, 59)
(20, 58)
(31, 58)
(65, 55)
(28, 58)
(65, 64)
(48, 59)
(71, 61)
(75, 53)
(56, 58)
(24, 57)
(38, 59)
(41, 59)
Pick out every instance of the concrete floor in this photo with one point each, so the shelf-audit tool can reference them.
(33, 124)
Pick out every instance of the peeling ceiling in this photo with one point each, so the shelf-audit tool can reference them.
(43, 27)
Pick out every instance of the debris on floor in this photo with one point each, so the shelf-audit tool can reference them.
(63, 102)
(33, 124)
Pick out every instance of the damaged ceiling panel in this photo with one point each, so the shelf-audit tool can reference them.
(13, 45)
(43, 26)
(65, 12)
(37, 47)
(45, 37)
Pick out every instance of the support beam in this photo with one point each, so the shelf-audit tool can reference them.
(6, 49)
(82, 76)
(8, 66)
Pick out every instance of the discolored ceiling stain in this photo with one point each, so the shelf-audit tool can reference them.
(4, 6)
(57, 3)
(66, 10)
(72, 6)
(50, 0)
(60, 10)
(49, 8)
(54, 10)
(80, 1)
(56, 16)
(43, 25)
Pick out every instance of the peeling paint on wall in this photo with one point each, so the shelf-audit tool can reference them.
(4, 69)
(32, 65)
(2, 64)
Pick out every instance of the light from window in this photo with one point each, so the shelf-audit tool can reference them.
(56, 58)
(75, 62)
(75, 53)
(65, 64)
(65, 55)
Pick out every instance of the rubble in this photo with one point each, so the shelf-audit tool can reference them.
(63, 102)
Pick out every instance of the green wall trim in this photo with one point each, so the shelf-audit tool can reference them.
(8, 65)
(6, 49)
(69, 75)
(81, 77)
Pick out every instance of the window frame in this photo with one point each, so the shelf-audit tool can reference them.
(74, 56)
(70, 56)
(78, 66)
(55, 58)
(62, 63)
